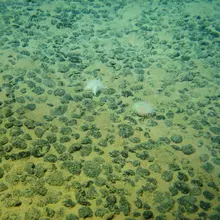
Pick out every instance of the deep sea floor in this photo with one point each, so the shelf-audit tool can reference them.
(109, 110)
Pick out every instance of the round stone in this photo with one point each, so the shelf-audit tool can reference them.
(125, 130)
(91, 169)
(188, 149)
(176, 138)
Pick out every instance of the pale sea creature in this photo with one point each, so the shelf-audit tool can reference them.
(143, 108)
(95, 85)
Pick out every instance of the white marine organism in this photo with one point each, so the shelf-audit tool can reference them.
(142, 108)
(95, 85)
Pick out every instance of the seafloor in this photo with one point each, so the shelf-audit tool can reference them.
(68, 154)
